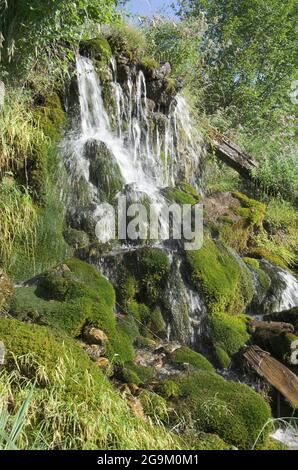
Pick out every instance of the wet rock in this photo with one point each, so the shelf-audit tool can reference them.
(104, 170)
(95, 336)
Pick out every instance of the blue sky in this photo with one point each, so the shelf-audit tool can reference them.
(150, 7)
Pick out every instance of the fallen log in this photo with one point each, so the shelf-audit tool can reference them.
(278, 375)
(273, 326)
(231, 154)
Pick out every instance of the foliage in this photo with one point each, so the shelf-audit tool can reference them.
(18, 219)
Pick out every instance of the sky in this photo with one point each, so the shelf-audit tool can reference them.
(150, 7)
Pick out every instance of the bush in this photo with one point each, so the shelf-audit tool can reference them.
(231, 410)
(186, 355)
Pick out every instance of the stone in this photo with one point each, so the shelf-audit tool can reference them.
(95, 336)
(94, 351)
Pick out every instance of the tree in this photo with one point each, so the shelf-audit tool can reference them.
(250, 54)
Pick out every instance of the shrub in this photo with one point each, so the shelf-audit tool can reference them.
(186, 355)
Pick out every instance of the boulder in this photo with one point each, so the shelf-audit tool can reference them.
(95, 336)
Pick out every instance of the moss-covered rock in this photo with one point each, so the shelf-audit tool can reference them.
(228, 335)
(136, 374)
(231, 410)
(263, 253)
(96, 49)
(221, 356)
(105, 173)
(224, 279)
(288, 316)
(77, 239)
(5, 289)
(184, 193)
(168, 389)
(68, 298)
(50, 116)
(187, 357)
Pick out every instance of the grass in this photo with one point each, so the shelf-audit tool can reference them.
(18, 219)
(20, 136)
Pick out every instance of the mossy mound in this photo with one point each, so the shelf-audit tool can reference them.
(223, 278)
(96, 49)
(202, 441)
(69, 297)
(168, 389)
(231, 410)
(154, 406)
(267, 255)
(136, 374)
(228, 335)
(70, 393)
(184, 193)
(50, 116)
(187, 357)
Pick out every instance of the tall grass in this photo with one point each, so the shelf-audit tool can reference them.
(17, 219)
(41, 414)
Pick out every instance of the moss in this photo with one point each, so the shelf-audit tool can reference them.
(137, 374)
(156, 324)
(277, 343)
(151, 273)
(170, 86)
(70, 296)
(251, 263)
(263, 253)
(231, 410)
(77, 239)
(222, 357)
(149, 65)
(129, 326)
(252, 210)
(50, 116)
(226, 282)
(144, 343)
(228, 332)
(202, 441)
(154, 406)
(126, 288)
(184, 193)
(186, 355)
(168, 389)
(96, 48)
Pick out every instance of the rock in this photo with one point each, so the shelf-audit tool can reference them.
(105, 365)
(95, 336)
(105, 173)
(5, 288)
(94, 351)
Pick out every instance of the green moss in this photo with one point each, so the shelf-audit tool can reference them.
(186, 355)
(168, 389)
(77, 239)
(231, 410)
(252, 210)
(184, 193)
(277, 343)
(97, 48)
(154, 406)
(202, 441)
(126, 288)
(50, 116)
(151, 273)
(225, 281)
(149, 64)
(263, 253)
(157, 325)
(222, 357)
(252, 263)
(288, 316)
(70, 296)
(129, 326)
(228, 332)
(171, 86)
(137, 374)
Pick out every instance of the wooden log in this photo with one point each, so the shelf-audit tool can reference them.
(278, 375)
(274, 326)
(231, 154)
